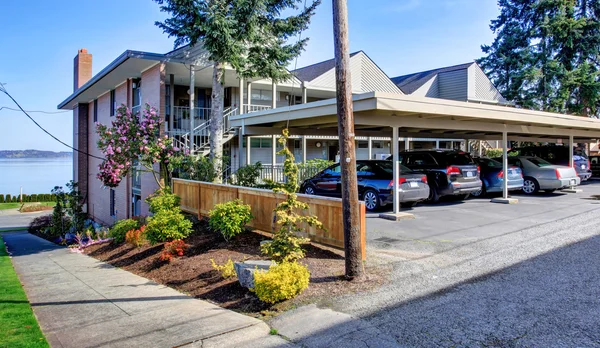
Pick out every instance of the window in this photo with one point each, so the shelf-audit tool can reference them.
(112, 203)
(260, 143)
(363, 144)
(137, 92)
(333, 171)
(261, 95)
(113, 103)
(419, 159)
(95, 110)
(363, 169)
(539, 162)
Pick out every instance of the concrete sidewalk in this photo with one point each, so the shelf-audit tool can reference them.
(82, 302)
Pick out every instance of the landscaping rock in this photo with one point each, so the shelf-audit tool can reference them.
(245, 271)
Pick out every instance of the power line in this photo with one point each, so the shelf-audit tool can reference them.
(3, 90)
(43, 112)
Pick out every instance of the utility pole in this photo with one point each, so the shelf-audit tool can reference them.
(350, 210)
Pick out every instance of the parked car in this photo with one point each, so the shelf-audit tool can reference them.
(595, 165)
(558, 155)
(492, 177)
(539, 174)
(449, 172)
(375, 184)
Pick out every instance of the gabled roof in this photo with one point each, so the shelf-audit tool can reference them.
(411, 82)
(311, 72)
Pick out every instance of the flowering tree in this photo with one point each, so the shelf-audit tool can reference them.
(130, 138)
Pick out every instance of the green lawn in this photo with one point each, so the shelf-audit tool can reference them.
(18, 326)
(4, 206)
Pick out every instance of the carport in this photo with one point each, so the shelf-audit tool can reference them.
(379, 114)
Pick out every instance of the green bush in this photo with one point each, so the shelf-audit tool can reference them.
(120, 229)
(281, 282)
(168, 222)
(230, 218)
(8, 199)
(493, 153)
(1, 198)
(227, 270)
(247, 176)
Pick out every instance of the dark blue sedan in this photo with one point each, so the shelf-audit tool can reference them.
(375, 184)
(492, 177)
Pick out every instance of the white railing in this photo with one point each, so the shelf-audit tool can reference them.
(248, 108)
(199, 138)
(182, 121)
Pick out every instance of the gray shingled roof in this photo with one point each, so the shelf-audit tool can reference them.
(311, 72)
(410, 83)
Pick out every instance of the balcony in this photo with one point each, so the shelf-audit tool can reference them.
(248, 108)
(182, 121)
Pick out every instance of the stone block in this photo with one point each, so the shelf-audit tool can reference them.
(245, 271)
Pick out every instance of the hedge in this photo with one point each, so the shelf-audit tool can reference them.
(45, 197)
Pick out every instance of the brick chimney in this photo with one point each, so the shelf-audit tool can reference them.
(82, 68)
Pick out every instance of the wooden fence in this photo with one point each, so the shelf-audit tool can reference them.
(201, 197)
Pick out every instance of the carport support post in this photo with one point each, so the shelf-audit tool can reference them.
(571, 164)
(248, 141)
(273, 156)
(192, 105)
(396, 168)
(505, 164)
(304, 149)
(370, 146)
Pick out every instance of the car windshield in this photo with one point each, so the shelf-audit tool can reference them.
(539, 162)
(489, 163)
(388, 167)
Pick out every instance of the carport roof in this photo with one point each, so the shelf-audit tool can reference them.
(376, 112)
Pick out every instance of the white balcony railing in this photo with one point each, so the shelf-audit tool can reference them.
(248, 108)
(182, 120)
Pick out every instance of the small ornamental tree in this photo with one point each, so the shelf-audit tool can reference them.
(286, 246)
(134, 138)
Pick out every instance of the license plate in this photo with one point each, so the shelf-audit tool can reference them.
(413, 184)
(469, 174)
(573, 182)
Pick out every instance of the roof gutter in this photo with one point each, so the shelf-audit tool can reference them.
(112, 66)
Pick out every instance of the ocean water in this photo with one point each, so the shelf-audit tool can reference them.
(35, 175)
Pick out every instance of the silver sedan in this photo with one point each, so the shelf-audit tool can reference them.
(539, 174)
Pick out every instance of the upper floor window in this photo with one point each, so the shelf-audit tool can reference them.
(137, 92)
(113, 103)
(95, 110)
(262, 95)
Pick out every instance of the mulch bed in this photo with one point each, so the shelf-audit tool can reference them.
(193, 273)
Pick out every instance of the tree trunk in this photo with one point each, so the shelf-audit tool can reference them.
(216, 121)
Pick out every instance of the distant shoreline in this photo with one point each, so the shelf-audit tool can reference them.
(33, 154)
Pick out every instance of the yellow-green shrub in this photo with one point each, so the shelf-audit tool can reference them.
(227, 269)
(230, 218)
(281, 282)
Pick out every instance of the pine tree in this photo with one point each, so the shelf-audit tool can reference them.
(544, 56)
(250, 35)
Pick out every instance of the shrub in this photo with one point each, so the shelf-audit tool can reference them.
(58, 226)
(168, 222)
(121, 227)
(8, 199)
(247, 176)
(136, 238)
(230, 218)
(281, 282)
(227, 270)
(173, 249)
(1, 198)
(39, 224)
(493, 153)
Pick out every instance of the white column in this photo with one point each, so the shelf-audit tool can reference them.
(571, 164)
(274, 91)
(437, 144)
(273, 155)
(192, 105)
(406, 144)
(249, 102)
(505, 164)
(171, 101)
(480, 148)
(396, 168)
(304, 149)
(241, 96)
(467, 146)
(304, 95)
(370, 140)
(248, 143)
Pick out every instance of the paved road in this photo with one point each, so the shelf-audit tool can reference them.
(12, 218)
(475, 274)
(82, 302)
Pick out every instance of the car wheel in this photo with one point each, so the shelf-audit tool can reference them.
(371, 200)
(408, 204)
(530, 186)
(479, 193)
(309, 190)
(434, 197)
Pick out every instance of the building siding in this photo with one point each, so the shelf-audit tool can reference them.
(429, 89)
(483, 87)
(453, 85)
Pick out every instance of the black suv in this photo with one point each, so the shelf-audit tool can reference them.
(449, 172)
(558, 155)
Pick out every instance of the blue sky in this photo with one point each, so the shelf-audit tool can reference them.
(41, 38)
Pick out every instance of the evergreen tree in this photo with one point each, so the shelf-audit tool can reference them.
(249, 35)
(544, 56)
